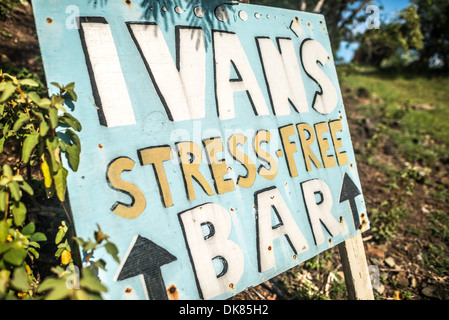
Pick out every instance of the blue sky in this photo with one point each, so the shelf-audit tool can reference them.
(390, 11)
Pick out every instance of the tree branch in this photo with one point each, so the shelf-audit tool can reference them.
(318, 6)
(354, 13)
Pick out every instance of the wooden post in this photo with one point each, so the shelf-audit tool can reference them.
(355, 268)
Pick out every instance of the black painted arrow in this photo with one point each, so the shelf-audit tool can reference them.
(349, 192)
(146, 258)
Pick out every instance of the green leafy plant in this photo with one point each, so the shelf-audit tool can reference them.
(17, 242)
(37, 130)
(71, 282)
(32, 122)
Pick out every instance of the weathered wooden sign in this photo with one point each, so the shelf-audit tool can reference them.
(216, 150)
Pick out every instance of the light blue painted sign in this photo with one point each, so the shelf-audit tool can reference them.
(216, 152)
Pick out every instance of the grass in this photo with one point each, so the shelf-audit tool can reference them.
(413, 109)
(411, 113)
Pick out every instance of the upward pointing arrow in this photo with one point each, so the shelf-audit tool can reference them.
(146, 258)
(349, 192)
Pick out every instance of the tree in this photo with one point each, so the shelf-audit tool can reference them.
(434, 19)
(340, 14)
(393, 44)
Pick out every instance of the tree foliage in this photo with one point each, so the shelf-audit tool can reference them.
(434, 20)
(395, 43)
(340, 15)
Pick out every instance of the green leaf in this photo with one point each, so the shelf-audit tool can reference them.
(29, 229)
(15, 256)
(43, 128)
(3, 194)
(82, 295)
(80, 242)
(20, 280)
(19, 211)
(34, 97)
(112, 250)
(6, 131)
(7, 170)
(18, 178)
(72, 94)
(59, 236)
(4, 247)
(4, 231)
(53, 113)
(59, 252)
(101, 264)
(34, 244)
(60, 179)
(27, 188)
(62, 146)
(20, 122)
(73, 156)
(90, 282)
(34, 252)
(71, 121)
(56, 85)
(4, 181)
(8, 89)
(74, 137)
(70, 86)
(2, 143)
(89, 245)
(59, 292)
(53, 284)
(52, 144)
(44, 103)
(31, 141)
(15, 190)
(38, 236)
(28, 82)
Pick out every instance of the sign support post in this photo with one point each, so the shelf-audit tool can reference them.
(355, 268)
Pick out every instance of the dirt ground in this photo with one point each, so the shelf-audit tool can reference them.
(399, 260)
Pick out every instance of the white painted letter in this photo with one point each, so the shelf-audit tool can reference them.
(106, 76)
(228, 52)
(312, 54)
(283, 76)
(205, 248)
(266, 232)
(181, 87)
(319, 210)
